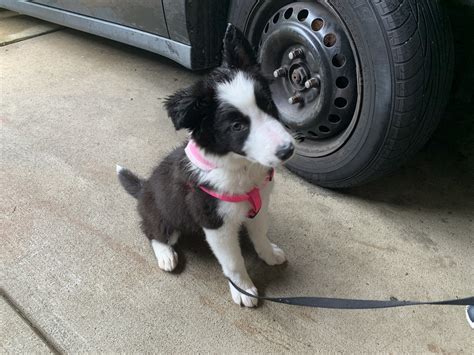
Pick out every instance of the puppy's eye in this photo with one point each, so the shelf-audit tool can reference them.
(237, 126)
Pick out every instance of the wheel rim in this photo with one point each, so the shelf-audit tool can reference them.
(307, 50)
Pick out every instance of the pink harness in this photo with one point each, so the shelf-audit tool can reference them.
(253, 196)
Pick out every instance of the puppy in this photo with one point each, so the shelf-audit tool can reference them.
(222, 178)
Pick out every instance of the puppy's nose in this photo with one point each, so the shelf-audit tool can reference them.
(285, 151)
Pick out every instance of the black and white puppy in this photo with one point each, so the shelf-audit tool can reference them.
(236, 141)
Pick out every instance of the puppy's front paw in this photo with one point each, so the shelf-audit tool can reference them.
(242, 299)
(275, 256)
(165, 255)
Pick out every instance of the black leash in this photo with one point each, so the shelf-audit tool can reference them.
(344, 303)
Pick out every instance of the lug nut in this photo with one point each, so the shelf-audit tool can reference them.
(296, 53)
(311, 83)
(279, 72)
(295, 99)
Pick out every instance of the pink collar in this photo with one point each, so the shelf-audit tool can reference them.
(253, 196)
(195, 156)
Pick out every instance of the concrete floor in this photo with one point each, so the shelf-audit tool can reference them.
(15, 27)
(79, 276)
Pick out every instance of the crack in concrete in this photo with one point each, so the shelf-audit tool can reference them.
(50, 343)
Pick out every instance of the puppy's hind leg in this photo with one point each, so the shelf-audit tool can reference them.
(160, 242)
(165, 255)
(173, 239)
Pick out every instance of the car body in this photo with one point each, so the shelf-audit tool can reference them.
(353, 81)
(187, 32)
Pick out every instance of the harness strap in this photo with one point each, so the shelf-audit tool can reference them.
(253, 197)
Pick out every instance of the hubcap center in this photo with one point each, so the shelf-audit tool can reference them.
(298, 74)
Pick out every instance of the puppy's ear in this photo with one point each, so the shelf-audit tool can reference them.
(237, 51)
(188, 107)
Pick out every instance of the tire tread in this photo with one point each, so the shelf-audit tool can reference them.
(420, 97)
(424, 88)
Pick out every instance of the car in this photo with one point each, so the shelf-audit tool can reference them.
(361, 84)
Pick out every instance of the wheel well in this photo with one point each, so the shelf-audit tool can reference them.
(248, 14)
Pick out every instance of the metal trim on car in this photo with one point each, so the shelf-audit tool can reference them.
(178, 52)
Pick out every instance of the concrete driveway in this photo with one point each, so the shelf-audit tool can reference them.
(78, 275)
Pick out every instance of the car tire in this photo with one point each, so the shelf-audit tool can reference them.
(404, 66)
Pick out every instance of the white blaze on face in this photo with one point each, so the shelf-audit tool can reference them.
(266, 133)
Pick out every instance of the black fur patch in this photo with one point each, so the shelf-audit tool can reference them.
(188, 107)
(171, 201)
(237, 51)
(263, 97)
(130, 182)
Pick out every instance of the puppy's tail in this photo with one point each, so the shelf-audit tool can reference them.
(130, 182)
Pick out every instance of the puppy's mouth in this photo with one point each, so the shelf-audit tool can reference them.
(282, 154)
(269, 164)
